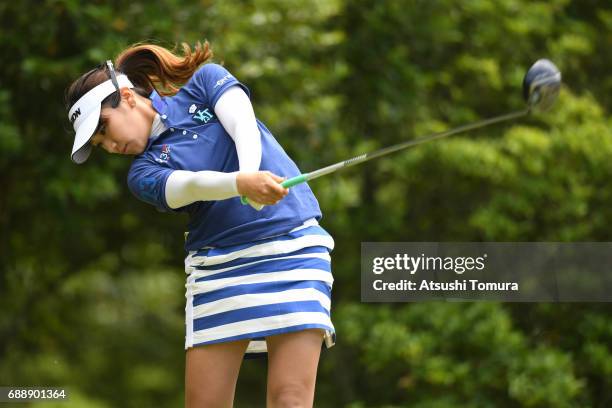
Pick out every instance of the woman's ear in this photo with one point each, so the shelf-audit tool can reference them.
(128, 95)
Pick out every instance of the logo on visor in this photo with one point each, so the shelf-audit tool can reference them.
(75, 115)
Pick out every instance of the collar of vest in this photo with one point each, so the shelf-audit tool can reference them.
(160, 105)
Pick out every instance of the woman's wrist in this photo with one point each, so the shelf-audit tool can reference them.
(241, 182)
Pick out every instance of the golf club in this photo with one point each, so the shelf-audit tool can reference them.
(541, 86)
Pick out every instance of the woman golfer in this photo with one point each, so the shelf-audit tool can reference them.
(258, 281)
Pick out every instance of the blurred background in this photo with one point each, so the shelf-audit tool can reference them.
(92, 280)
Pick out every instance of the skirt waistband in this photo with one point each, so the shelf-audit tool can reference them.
(309, 234)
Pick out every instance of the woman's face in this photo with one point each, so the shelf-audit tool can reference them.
(126, 128)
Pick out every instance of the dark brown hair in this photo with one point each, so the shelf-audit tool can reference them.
(148, 66)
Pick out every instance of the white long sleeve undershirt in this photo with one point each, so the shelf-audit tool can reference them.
(235, 112)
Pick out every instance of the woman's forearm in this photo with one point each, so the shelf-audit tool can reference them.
(186, 187)
(235, 113)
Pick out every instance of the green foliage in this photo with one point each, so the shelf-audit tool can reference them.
(91, 280)
(423, 352)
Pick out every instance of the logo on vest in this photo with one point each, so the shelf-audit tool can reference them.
(164, 156)
(192, 108)
(222, 81)
(204, 116)
(149, 188)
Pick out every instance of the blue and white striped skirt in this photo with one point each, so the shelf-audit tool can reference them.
(271, 286)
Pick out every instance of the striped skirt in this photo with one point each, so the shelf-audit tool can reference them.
(271, 286)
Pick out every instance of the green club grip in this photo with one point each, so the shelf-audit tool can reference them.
(293, 181)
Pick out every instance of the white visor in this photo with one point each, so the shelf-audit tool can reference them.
(85, 116)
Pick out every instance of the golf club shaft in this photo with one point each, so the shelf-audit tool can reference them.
(391, 149)
(304, 177)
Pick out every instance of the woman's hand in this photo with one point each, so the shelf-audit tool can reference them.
(261, 187)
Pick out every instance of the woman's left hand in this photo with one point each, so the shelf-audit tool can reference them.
(261, 187)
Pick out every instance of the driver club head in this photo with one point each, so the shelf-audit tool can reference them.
(541, 85)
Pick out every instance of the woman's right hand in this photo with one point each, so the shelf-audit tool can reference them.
(261, 187)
